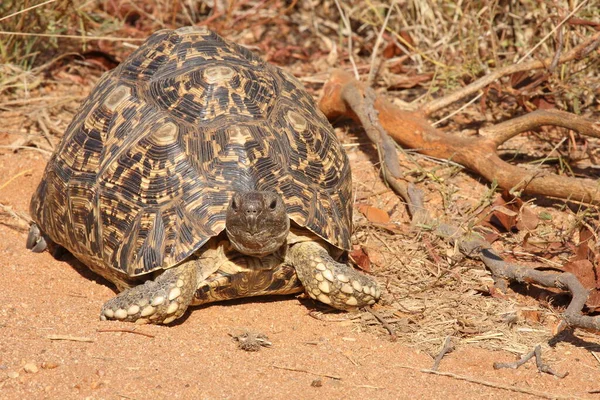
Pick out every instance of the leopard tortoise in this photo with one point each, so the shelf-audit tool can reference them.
(195, 172)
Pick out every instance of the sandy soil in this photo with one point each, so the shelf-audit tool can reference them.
(43, 298)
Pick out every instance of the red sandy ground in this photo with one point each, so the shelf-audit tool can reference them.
(198, 359)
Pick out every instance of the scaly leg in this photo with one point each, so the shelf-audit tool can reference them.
(329, 281)
(158, 301)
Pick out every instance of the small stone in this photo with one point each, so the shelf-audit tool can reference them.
(12, 374)
(96, 385)
(317, 383)
(49, 365)
(30, 368)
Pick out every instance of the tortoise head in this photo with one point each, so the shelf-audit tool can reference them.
(256, 222)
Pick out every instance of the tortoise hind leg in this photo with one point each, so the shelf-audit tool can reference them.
(329, 281)
(35, 239)
(158, 301)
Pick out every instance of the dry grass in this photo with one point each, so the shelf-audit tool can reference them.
(424, 49)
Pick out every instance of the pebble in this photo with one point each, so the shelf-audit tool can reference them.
(12, 374)
(30, 368)
(49, 365)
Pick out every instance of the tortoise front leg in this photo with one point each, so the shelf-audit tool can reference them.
(158, 301)
(329, 281)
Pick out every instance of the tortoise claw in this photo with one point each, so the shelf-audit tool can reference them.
(35, 240)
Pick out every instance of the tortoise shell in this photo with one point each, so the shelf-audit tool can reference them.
(145, 171)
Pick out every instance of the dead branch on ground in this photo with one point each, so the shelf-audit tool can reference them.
(537, 353)
(447, 347)
(345, 96)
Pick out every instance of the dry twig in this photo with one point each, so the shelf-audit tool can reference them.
(510, 388)
(70, 338)
(446, 348)
(537, 353)
(345, 96)
(384, 323)
(126, 331)
(307, 372)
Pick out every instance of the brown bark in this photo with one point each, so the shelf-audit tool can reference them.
(412, 130)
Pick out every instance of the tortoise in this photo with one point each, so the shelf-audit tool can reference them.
(196, 172)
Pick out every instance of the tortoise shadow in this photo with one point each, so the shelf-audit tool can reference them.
(568, 336)
(309, 304)
(61, 254)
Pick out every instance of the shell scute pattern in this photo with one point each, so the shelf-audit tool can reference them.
(145, 171)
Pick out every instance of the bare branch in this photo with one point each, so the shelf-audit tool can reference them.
(582, 50)
(412, 130)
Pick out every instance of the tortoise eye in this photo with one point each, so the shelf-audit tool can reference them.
(273, 204)
(234, 205)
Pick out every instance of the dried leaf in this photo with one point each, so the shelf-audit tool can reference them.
(359, 257)
(593, 301)
(528, 219)
(491, 237)
(390, 227)
(585, 234)
(505, 211)
(391, 50)
(584, 271)
(408, 81)
(503, 217)
(530, 315)
(374, 214)
(543, 103)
